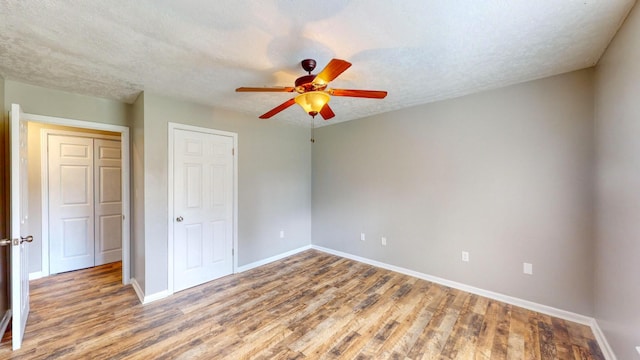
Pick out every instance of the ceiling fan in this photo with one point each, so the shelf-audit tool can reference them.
(313, 94)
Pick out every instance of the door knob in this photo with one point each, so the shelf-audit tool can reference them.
(26, 239)
(5, 242)
(179, 219)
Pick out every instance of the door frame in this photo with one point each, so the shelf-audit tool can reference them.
(234, 181)
(126, 169)
(44, 185)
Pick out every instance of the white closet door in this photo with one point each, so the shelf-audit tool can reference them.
(108, 201)
(71, 203)
(203, 206)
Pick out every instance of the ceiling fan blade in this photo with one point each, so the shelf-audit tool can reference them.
(334, 68)
(278, 108)
(326, 112)
(371, 94)
(265, 89)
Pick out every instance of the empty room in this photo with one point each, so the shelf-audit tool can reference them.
(320, 179)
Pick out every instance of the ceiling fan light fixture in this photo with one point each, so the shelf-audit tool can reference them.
(313, 93)
(313, 101)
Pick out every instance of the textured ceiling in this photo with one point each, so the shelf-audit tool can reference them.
(420, 51)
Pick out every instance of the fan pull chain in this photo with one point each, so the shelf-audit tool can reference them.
(312, 127)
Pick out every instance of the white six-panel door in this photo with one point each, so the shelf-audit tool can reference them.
(19, 225)
(108, 201)
(203, 207)
(71, 203)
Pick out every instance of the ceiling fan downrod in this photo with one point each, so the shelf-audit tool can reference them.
(313, 140)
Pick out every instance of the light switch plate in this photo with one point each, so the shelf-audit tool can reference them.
(527, 268)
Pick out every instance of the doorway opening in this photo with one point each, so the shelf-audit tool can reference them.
(81, 196)
(39, 211)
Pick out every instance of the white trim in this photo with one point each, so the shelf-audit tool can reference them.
(138, 290)
(44, 208)
(144, 300)
(36, 275)
(235, 202)
(170, 241)
(126, 205)
(5, 322)
(544, 309)
(50, 131)
(638, 349)
(44, 186)
(602, 341)
(258, 263)
(234, 136)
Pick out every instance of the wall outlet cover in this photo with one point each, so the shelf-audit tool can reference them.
(362, 236)
(465, 256)
(384, 241)
(527, 268)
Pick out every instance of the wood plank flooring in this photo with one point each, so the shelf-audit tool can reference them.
(308, 306)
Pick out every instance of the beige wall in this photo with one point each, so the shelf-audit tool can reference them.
(504, 174)
(4, 254)
(137, 192)
(49, 102)
(617, 282)
(274, 172)
(274, 182)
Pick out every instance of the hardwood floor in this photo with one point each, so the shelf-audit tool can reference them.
(308, 306)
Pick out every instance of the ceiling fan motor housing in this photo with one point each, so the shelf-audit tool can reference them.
(305, 84)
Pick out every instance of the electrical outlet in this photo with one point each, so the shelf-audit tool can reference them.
(281, 234)
(362, 236)
(384, 241)
(527, 268)
(465, 256)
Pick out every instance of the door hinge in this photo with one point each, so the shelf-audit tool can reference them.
(233, 252)
(122, 217)
(233, 151)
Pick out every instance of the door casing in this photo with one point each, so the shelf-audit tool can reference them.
(126, 203)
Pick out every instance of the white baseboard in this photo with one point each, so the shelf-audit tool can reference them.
(602, 341)
(544, 309)
(138, 290)
(146, 299)
(155, 297)
(255, 264)
(36, 275)
(5, 322)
